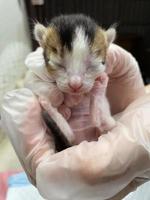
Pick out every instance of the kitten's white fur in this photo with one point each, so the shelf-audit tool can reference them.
(79, 62)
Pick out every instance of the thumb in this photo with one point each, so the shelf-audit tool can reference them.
(35, 59)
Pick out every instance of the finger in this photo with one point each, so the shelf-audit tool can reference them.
(35, 62)
(22, 122)
(15, 99)
(35, 58)
(39, 50)
(125, 80)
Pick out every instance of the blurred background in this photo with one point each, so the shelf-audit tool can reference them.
(17, 18)
(131, 16)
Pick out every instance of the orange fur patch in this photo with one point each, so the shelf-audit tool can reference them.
(100, 44)
(52, 45)
(51, 41)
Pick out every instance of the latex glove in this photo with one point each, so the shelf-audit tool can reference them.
(91, 170)
(39, 81)
(29, 135)
(113, 166)
(125, 82)
(118, 160)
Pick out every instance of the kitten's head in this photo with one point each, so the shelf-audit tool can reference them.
(74, 50)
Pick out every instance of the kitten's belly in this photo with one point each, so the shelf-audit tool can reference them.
(81, 124)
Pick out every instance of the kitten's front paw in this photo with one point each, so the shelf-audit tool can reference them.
(103, 79)
(65, 111)
(56, 97)
(100, 85)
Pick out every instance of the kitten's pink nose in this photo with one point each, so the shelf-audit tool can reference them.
(75, 82)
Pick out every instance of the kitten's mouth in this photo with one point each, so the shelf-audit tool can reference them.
(77, 92)
(74, 92)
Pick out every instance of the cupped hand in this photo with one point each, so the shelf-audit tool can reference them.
(105, 169)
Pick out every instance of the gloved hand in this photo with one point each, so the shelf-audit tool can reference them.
(38, 74)
(105, 169)
(39, 81)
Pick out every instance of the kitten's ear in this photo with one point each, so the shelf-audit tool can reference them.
(39, 32)
(111, 35)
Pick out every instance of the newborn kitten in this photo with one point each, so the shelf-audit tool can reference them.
(75, 49)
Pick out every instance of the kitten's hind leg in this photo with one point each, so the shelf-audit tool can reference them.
(61, 142)
(61, 130)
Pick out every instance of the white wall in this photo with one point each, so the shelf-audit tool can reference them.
(14, 44)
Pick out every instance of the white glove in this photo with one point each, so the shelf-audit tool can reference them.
(118, 161)
(38, 79)
(105, 169)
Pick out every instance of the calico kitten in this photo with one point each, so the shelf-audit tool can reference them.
(75, 49)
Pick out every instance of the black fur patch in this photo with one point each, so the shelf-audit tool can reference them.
(61, 142)
(66, 25)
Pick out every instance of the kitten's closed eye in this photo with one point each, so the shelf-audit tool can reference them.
(55, 64)
(54, 50)
(60, 65)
